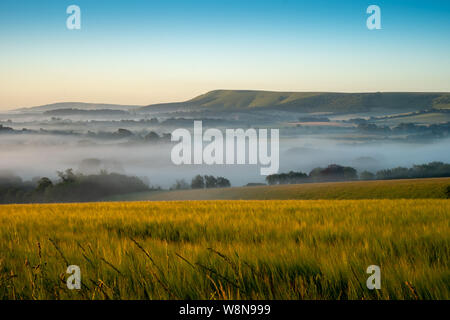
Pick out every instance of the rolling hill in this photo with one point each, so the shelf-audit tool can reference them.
(308, 102)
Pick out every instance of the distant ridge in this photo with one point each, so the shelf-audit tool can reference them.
(92, 112)
(245, 100)
(79, 106)
(301, 102)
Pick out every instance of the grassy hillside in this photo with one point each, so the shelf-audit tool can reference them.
(382, 189)
(307, 102)
(316, 101)
(227, 249)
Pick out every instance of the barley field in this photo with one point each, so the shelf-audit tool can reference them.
(290, 249)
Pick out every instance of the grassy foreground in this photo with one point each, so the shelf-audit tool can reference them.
(317, 249)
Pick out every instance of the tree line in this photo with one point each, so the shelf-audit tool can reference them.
(336, 172)
(79, 187)
(202, 182)
(71, 187)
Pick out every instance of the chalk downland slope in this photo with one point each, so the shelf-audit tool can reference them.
(307, 102)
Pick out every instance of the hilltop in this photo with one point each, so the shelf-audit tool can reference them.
(307, 102)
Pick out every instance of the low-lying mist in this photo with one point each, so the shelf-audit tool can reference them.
(34, 155)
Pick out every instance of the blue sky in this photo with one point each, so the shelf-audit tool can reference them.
(142, 52)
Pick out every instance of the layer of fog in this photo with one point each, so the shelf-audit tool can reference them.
(42, 155)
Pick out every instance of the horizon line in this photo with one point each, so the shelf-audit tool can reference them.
(217, 90)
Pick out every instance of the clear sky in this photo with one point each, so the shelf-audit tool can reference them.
(143, 52)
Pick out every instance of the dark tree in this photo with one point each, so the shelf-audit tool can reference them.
(334, 172)
(67, 176)
(291, 177)
(223, 182)
(210, 182)
(43, 184)
(198, 182)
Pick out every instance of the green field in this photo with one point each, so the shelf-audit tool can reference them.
(428, 118)
(380, 189)
(276, 249)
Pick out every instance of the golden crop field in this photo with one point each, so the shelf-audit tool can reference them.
(290, 249)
